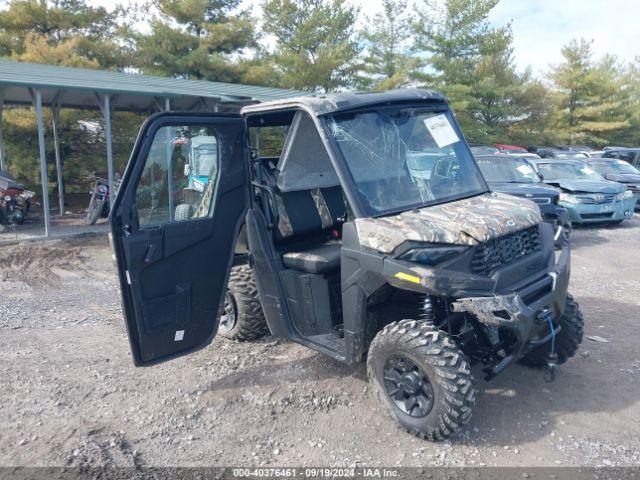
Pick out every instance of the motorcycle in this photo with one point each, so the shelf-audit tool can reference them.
(15, 201)
(100, 196)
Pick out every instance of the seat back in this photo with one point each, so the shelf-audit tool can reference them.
(309, 213)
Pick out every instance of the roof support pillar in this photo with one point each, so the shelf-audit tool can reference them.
(106, 112)
(57, 103)
(3, 165)
(37, 100)
(169, 151)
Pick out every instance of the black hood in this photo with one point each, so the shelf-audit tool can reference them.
(622, 177)
(524, 189)
(588, 186)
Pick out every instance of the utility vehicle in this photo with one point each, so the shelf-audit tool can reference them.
(315, 228)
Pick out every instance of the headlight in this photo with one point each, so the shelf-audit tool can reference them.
(568, 198)
(433, 254)
(626, 195)
(7, 198)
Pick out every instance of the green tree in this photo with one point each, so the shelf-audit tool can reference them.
(631, 79)
(195, 39)
(87, 35)
(472, 62)
(67, 33)
(315, 41)
(387, 38)
(590, 98)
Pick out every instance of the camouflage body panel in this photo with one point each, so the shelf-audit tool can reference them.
(465, 222)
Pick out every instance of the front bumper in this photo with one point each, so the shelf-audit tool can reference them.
(525, 312)
(605, 212)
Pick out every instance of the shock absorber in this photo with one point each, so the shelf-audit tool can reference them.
(427, 312)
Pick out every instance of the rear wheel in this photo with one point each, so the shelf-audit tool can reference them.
(567, 341)
(242, 317)
(420, 376)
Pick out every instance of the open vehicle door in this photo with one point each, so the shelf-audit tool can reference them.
(174, 245)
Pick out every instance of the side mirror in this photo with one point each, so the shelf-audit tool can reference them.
(540, 176)
(187, 169)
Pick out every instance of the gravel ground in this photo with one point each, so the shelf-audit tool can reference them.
(71, 397)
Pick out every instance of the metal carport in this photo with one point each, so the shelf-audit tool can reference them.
(56, 87)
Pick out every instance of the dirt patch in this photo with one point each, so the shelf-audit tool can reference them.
(39, 264)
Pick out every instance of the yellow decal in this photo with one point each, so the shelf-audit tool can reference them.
(407, 277)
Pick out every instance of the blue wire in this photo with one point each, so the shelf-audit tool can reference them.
(553, 333)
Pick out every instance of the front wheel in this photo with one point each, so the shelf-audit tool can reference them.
(421, 378)
(568, 339)
(95, 209)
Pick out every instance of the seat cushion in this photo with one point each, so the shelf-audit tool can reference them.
(322, 259)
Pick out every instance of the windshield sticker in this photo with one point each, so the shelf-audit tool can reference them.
(526, 169)
(441, 130)
(587, 170)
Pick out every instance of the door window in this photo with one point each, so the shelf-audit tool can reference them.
(180, 176)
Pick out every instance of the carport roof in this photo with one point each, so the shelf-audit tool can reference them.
(129, 91)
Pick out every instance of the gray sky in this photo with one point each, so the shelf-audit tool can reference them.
(542, 27)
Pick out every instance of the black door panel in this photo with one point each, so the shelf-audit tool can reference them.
(173, 267)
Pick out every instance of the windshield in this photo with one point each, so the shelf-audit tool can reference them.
(614, 168)
(405, 157)
(568, 171)
(570, 155)
(510, 170)
(484, 150)
(515, 150)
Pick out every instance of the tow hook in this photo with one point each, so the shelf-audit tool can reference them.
(550, 367)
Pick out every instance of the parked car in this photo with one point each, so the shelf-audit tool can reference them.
(560, 153)
(586, 194)
(629, 155)
(515, 176)
(514, 150)
(618, 171)
(484, 150)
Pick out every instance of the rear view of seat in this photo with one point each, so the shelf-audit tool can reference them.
(306, 222)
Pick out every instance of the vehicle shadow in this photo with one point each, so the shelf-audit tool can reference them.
(313, 365)
(520, 406)
(592, 234)
(516, 407)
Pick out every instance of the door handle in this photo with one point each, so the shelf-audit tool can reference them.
(151, 248)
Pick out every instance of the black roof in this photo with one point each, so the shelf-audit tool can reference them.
(336, 102)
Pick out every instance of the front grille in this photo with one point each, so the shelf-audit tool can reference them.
(501, 251)
(594, 216)
(596, 198)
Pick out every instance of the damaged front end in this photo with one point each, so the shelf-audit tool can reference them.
(497, 315)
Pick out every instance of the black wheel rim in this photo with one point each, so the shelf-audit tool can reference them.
(408, 386)
(229, 315)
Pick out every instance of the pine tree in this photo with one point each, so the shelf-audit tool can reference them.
(88, 36)
(472, 62)
(387, 38)
(315, 43)
(591, 101)
(195, 39)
